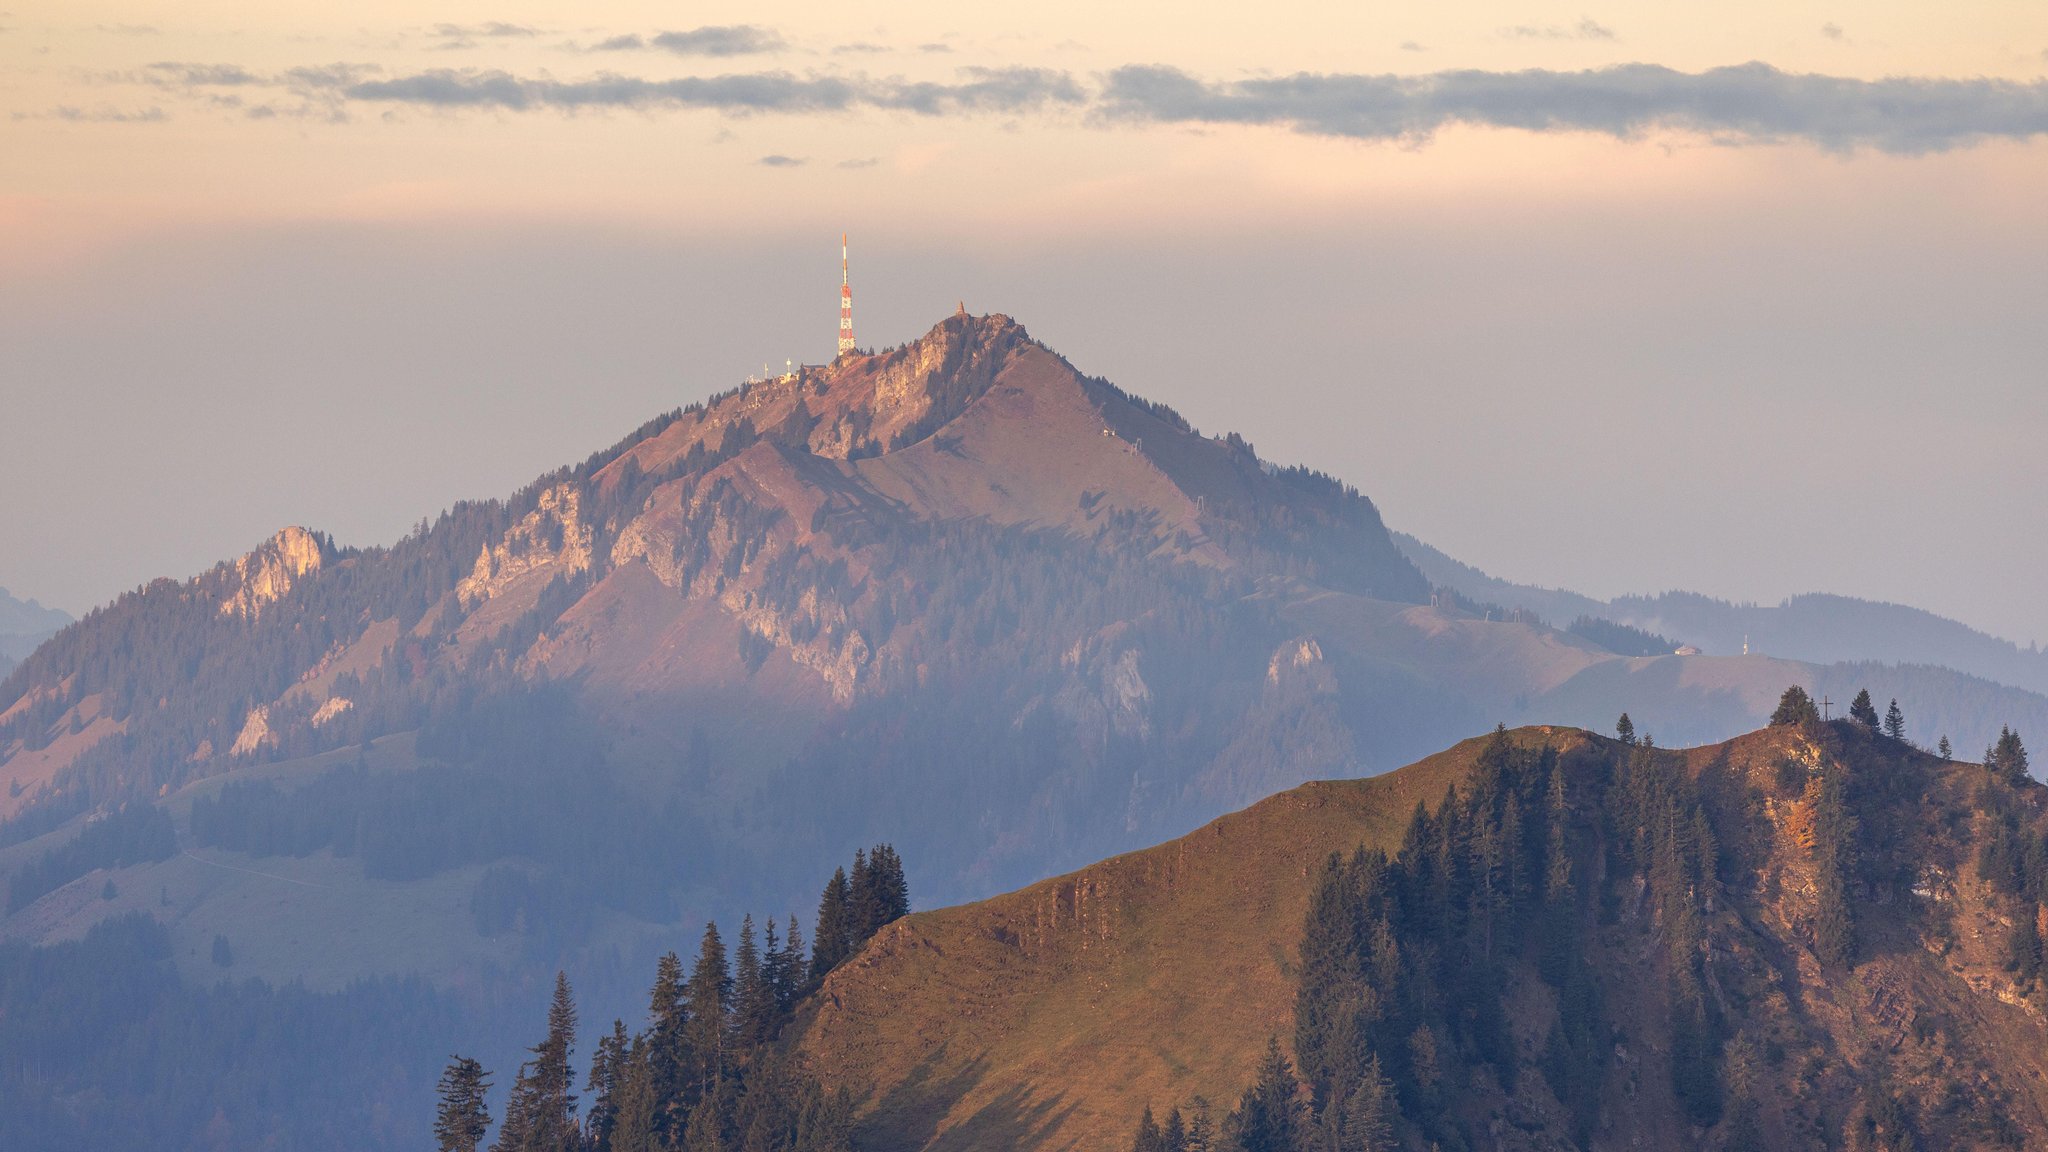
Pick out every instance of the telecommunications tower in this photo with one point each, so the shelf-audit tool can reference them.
(845, 302)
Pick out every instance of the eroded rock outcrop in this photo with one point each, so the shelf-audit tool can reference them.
(552, 536)
(266, 575)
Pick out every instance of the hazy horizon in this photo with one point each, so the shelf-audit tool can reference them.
(1744, 302)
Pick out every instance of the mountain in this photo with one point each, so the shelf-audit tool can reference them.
(1634, 987)
(23, 625)
(956, 596)
(1816, 628)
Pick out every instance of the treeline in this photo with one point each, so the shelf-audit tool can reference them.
(1620, 639)
(2013, 857)
(102, 1046)
(132, 834)
(705, 1073)
(1407, 962)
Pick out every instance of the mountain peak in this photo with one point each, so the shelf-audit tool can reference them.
(28, 617)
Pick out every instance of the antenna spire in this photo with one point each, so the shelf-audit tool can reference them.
(845, 302)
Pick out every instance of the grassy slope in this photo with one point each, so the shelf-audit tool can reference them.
(1147, 978)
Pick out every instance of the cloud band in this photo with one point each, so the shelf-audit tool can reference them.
(978, 90)
(1741, 104)
(1747, 103)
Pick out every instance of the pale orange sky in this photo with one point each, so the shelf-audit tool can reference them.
(1492, 331)
(73, 76)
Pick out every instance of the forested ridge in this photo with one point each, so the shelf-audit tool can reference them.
(707, 1072)
(1481, 973)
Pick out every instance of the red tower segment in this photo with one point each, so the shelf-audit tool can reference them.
(845, 302)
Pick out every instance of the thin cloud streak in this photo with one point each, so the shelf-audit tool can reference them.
(76, 115)
(979, 90)
(1586, 29)
(721, 40)
(1743, 104)
(494, 29)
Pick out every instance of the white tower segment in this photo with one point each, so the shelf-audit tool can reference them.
(845, 301)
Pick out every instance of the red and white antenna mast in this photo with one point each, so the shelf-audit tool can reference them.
(845, 302)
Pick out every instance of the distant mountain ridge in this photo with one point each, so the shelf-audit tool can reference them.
(1819, 628)
(23, 625)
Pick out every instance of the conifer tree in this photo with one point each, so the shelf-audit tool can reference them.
(1944, 749)
(773, 973)
(2008, 757)
(1558, 890)
(461, 1120)
(753, 999)
(1863, 711)
(1625, 729)
(1895, 721)
(863, 908)
(1201, 1126)
(830, 941)
(705, 1133)
(515, 1133)
(1795, 707)
(1514, 839)
(1489, 882)
(540, 1116)
(1327, 991)
(826, 1123)
(669, 1059)
(892, 889)
(1834, 848)
(554, 1112)
(1149, 1138)
(636, 1111)
(710, 999)
(1268, 1118)
(1176, 1135)
(1370, 1113)
(607, 1067)
(786, 969)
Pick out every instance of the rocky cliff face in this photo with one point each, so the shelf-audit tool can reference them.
(267, 575)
